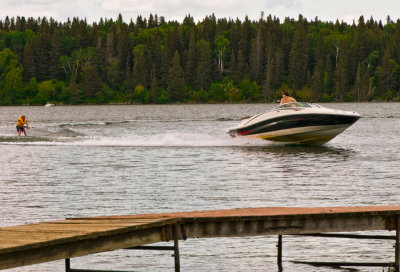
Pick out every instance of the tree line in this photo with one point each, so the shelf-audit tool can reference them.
(214, 60)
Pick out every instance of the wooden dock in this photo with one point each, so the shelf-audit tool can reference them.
(65, 239)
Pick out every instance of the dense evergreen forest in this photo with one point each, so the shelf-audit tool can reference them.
(214, 60)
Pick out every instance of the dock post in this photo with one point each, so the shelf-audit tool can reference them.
(397, 246)
(67, 265)
(279, 256)
(176, 249)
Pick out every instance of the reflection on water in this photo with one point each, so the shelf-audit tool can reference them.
(108, 160)
(298, 150)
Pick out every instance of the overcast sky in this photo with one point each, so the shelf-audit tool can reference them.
(93, 10)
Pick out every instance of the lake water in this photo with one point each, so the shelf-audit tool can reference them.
(129, 159)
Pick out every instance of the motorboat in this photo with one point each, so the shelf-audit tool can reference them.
(296, 122)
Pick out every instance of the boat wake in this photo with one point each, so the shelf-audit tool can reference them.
(68, 138)
(64, 133)
(174, 140)
(170, 140)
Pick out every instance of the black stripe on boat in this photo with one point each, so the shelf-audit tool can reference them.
(295, 121)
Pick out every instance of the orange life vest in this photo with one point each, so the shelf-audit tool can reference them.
(21, 122)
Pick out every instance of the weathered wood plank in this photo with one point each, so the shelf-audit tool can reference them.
(78, 248)
(36, 236)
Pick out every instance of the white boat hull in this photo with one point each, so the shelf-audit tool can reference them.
(306, 135)
(296, 123)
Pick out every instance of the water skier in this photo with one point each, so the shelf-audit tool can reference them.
(21, 125)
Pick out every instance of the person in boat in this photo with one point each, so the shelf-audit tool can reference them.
(22, 124)
(286, 98)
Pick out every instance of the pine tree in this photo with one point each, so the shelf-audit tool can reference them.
(203, 69)
(298, 68)
(140, 68)
(317, 81)
(75, 91)
(234, 36)
(387, 74)
(360, 43)
(245, 38)
(231, 71)
(256, 61)
(154, 91)
(327, 80)
(111, 44)
(209, 28)
(240, 69)
(123, 49)
(91, 82)
(362, 82)
(279, 67)
(41, 48)
(169, 49)
(159, 66)
(190, 68)
(341, 84)
(55, 55)
(20, 24)
(269, 73)
(176, 81)
(154, 57)
(28, 63)
(129, 84)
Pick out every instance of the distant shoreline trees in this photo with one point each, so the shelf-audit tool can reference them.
(211, 61)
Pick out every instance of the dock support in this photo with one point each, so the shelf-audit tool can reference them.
(279, 255)
(397, 246)
(175, 233)
(176, 249)
(67, 265)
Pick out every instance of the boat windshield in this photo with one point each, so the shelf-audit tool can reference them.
(293, 105)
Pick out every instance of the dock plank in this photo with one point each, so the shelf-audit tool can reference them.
(267, 211)
(46, 234)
